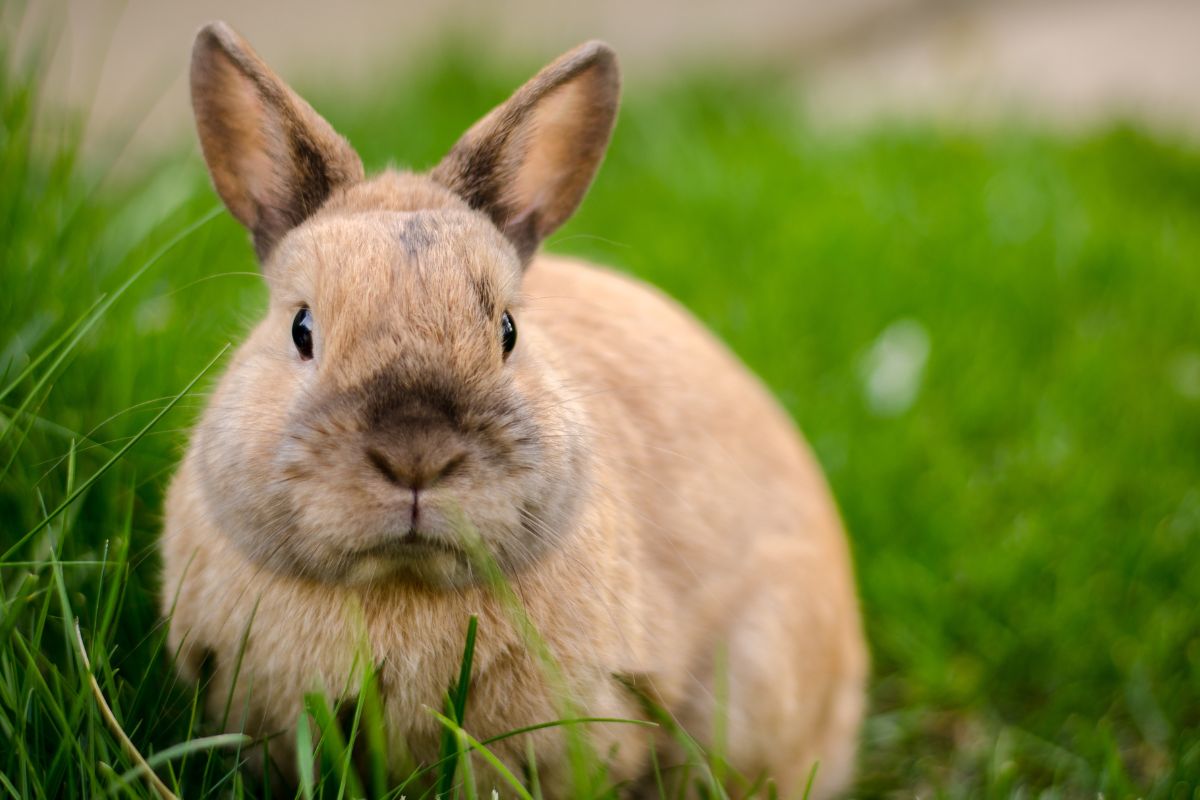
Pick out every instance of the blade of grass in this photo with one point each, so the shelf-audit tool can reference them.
(696, 754)
(463, 749)
(117, 557)
(233, 681)
(584, 761)
(564, 722)
(12, 790)
(658, 779)
(486, 754)
(40, 684)
(462, 688)
(374, 730)
(182, 749)
(130, 749)
(812, 776)
(558, 723)
(83, 487)
(304, 755)
(456, 705)
(333, 745)
(535, 783)
(15, 449)
(100, 309)
(50, 348)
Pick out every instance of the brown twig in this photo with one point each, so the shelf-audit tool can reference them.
(155, 783)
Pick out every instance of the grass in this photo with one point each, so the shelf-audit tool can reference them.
(990, 336)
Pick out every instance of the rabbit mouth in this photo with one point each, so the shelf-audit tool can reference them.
(412, 544)
(413, 556)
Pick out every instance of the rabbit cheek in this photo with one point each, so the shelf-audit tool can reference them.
(521, 515)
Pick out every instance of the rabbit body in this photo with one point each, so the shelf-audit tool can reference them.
(656, 522)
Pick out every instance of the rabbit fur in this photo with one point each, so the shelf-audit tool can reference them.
(653, 526)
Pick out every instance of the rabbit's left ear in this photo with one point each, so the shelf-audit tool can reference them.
(273, 160)
(529, 162)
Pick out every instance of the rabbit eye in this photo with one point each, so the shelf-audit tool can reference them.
(302, 327)
(508, 333)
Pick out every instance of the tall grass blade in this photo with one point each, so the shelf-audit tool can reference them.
(183, 749)
(74, 495)
(456, 703)
(100, 309)
(50, 348)
(332, 746)
(466, 739)
(127, 745)
(304, 755)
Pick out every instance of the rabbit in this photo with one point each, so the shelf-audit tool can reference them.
(430, 411)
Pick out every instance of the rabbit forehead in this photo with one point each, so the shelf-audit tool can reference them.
(407, 284)
(375, 260)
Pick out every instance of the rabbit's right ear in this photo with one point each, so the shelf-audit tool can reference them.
(528, 163)
(273, 160)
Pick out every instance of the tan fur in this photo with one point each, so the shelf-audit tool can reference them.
(649, 503)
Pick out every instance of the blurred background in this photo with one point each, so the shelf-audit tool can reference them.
(959, 240)
(1073, 62)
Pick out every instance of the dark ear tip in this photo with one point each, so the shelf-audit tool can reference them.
(596, 53)
(214, 34)
(218, 43)
(599, 61)
(216, 37)
(598, 50)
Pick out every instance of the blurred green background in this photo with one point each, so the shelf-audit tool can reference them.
(989, 333)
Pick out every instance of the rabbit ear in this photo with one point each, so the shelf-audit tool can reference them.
(273, 159)
(528, 163)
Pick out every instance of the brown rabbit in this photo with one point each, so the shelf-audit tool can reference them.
(424, 389)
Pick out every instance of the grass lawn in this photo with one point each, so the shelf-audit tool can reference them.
(991, 337)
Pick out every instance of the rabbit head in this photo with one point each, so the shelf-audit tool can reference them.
(391, 412)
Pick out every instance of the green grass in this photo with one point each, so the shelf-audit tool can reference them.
(1026, 527)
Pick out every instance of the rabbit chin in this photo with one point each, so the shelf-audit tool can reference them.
(427, 566)
(331, 541)
(377, 552)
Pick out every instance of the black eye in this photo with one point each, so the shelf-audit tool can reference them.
(302, 327)
(508, 333)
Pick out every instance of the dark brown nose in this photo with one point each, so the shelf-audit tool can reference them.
(414, 469)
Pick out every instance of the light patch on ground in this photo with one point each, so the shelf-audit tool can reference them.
(1185, 375)
(892, 370)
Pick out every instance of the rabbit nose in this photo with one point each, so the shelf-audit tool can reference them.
(416, 471)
